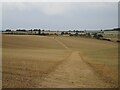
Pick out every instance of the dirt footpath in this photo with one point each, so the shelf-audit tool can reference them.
(72, 72)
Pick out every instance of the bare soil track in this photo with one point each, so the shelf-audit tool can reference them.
(73, 72)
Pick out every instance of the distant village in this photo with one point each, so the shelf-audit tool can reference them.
(109, 35)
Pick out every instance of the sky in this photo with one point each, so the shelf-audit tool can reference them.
(60, 15)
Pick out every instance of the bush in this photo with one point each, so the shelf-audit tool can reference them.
(71, 34)
(118, 40)
(106, 39)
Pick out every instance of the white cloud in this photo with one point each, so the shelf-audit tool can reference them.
(87, 15)
(55, 8)
(51, 8)
(48, 8)
(15, 5)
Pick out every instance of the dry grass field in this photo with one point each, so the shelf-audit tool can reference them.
(42, 62)
(102, 56)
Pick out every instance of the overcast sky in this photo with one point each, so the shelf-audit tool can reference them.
(60, 15)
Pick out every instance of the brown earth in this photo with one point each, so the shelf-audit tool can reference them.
(45, 62)
(73, 72)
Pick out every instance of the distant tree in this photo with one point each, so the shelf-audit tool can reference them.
(43, 31)
(116, 29)
(39, 32)
(97, 36)
(85, 31)
(100, 36)
(21, 30)
(77, 31)
(8, 30)
(62, 33)
(88, 34)
(36, 30)
(71, 34)
(66, 33)
(102, 31)
(30, 30)
(74, 31)
(76, 34)
(69, 30)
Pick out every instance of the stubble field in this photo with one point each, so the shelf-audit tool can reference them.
(48, 62)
